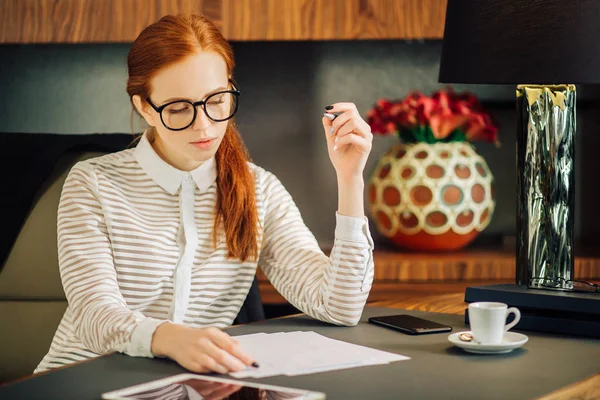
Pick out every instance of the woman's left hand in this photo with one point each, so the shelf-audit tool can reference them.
(349, 141)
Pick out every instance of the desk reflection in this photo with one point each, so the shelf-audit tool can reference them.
(197, 389)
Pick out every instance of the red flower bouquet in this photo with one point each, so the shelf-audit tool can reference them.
(444, 117)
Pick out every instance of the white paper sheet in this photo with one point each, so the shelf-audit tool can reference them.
(306, 352)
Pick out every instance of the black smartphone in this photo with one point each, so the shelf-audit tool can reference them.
(409, 324)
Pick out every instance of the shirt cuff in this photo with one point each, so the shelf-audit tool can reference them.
(352, 229)
(141, 338)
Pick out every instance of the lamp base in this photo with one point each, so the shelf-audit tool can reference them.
(570, 313)
(545, 185)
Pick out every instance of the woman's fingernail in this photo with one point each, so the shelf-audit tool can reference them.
(329, 108)
(255, 364)
(335, 147)
(331, 130)
(336, 138)
(330, 117)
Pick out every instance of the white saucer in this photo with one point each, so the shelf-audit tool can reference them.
(510, 341)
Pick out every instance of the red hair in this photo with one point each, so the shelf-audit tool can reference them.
(166, 42)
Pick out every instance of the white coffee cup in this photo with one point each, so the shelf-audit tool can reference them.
(488, 321)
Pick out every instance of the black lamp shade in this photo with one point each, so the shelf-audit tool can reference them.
(521, 42)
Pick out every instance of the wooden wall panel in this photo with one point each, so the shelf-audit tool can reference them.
(333, 19)
(90, 21)
(110, 21)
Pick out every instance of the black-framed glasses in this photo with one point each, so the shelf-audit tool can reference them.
(563, 284)
(178, 115)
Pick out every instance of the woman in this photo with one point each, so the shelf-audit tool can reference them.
(158, 245)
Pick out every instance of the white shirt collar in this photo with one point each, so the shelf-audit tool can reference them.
(169, 177)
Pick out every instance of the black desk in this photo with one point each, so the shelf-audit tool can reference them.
(437, 370)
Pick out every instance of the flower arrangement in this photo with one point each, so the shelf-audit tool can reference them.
(444, 117)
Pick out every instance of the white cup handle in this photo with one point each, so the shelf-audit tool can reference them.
(517, 313)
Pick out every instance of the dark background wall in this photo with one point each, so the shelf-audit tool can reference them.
(285, 85)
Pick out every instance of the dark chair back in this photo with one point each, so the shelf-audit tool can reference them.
(252, 310)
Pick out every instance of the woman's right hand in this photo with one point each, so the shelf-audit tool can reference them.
(200, 349)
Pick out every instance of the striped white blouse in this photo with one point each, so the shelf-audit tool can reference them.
(135, 250)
